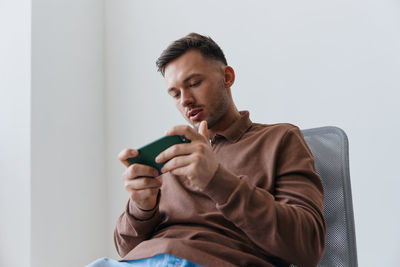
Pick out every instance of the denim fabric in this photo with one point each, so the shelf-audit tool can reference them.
(161, 260)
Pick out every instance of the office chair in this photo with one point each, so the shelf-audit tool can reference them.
(329, 146)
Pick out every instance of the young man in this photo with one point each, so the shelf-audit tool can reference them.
(240, 194)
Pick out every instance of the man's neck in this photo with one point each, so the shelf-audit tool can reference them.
(227, 120)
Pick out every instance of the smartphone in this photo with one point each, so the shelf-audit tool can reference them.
(148, 153)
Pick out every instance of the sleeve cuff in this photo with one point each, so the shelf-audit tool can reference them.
(139, 214)
(222, 185)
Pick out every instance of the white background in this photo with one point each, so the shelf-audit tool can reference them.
(94, 90)
(15, 73)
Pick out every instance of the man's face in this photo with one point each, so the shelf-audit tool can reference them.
(197, 86)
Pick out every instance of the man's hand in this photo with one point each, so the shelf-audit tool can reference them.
(140, 181)
(195, 160)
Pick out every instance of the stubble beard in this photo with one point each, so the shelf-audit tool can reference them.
(218, 107)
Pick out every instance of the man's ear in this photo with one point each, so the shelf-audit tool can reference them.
(229, 76)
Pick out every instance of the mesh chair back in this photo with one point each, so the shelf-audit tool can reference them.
(329, 146)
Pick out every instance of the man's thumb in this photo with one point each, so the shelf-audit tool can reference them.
(203, 129)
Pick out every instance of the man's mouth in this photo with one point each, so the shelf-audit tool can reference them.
(195, 114)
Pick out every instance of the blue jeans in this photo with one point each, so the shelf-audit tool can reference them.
(160, 260)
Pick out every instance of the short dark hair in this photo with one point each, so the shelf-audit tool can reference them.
(205, 45)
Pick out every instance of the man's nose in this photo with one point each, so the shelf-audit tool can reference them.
(186, 98)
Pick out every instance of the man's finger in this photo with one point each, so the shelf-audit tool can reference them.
(177, 162)
(139, 170)
(183, 171)
(142, 183)
(127, 153)
(185, 130)
(203, 130)
(173, 151)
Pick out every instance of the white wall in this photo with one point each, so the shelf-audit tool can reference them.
(15, 76)
(69, 197)
(312, 63)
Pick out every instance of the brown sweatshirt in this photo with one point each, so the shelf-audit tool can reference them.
(263, 206)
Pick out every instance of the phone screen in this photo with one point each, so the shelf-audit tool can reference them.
(148, 153)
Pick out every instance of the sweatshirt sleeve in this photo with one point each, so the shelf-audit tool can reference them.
(288, 223)
(134, 226)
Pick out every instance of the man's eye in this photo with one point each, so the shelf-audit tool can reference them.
(176, 95)
(195, 84)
